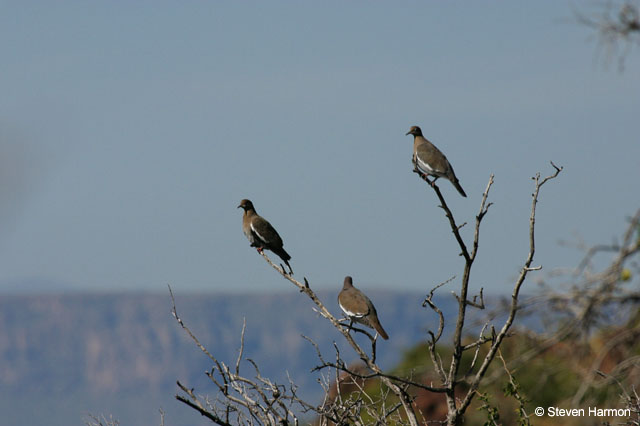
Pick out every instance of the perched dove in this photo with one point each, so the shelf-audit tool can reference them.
(430, 161)
(358, 307)
(261, 234)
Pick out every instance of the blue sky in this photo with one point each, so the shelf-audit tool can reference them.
(130, 131)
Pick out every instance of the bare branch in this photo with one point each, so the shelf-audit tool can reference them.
(195, 403)
(240, 352)
(480, 303)
(429, 301)
(174, 312)
(514, 300)
(477, 346)
(443, 204)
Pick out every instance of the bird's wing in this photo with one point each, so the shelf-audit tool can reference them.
(430, 159)
(265, 232)
(358, 304)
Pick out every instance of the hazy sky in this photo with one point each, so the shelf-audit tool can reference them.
(130, 131)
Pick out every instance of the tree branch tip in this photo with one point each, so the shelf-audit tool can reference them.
(559, 169)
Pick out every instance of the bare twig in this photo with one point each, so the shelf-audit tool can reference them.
(429, 301)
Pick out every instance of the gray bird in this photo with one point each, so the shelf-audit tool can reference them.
(430, 161)
(261, 234)
(359, 308)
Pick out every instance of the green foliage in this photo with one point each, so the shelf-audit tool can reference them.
(491, 411)
(512, 389)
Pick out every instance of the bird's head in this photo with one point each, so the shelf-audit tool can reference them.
(246, 205)
(415, 131)
(348, 282)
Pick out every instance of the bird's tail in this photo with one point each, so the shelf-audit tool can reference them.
(376, 324)
(285, 257)
(458, 187)
(290, 268)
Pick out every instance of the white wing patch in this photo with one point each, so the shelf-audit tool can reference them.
(258, 234)
(425, 167)
(351, 314)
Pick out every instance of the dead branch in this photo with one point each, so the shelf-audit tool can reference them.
(429, 301)
(455, 410)
(241, 400)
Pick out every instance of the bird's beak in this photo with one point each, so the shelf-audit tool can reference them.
(408, 133)
(239, 206)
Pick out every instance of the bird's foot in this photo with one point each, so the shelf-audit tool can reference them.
(260, 249)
